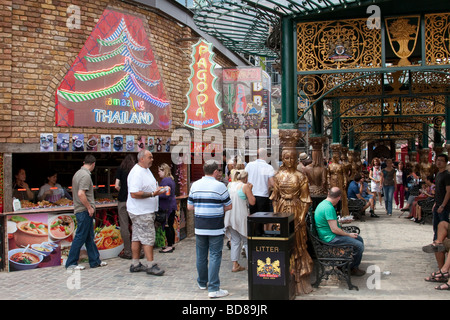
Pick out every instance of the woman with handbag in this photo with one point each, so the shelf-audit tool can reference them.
(168, 203)
(241, 196)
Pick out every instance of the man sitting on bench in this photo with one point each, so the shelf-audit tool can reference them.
(329, 230)
(354, 192)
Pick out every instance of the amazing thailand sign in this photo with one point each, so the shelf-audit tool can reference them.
(114, 81)
(203, 110)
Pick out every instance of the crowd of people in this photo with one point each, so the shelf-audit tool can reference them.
(229, 192)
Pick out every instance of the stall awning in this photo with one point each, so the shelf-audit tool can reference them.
(247, 26)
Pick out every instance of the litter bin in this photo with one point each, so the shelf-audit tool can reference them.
(270, 268)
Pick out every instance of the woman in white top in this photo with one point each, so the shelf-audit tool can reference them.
(375, 178)
(52, 191)
(400, 190)
(236, 219)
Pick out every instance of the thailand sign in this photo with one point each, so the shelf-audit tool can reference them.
(203, 110)
(114, 81)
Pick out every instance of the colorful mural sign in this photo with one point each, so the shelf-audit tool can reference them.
(114, 81)
(246, 99)
(203, 110)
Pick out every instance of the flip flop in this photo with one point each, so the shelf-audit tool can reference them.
(441, 287)
(438, 276)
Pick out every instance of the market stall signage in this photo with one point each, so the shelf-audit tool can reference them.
(246, 99)
(203, 110)
(114, 81)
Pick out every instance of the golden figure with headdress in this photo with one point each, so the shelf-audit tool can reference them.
(338, 178)
(316, 172)
(291, 194)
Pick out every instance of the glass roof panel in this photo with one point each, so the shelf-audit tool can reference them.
(245, 25)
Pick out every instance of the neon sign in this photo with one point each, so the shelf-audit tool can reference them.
(114, 81)
(203, 110)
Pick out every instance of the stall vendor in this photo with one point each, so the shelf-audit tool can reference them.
(21, 190)
(52, 191)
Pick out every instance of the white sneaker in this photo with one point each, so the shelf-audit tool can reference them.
(76, 267)
(201, 287)
(218, 294)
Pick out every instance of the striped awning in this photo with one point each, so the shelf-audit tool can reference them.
(245, 26)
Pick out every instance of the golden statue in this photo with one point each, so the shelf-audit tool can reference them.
(291, 194)
(426, 168)
(346, 163)
(338, 178)
(353, 165)
(316, 172)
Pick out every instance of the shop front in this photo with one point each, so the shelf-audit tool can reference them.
(110, 85)
(45, 229)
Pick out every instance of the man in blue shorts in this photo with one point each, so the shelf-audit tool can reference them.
(354, 192)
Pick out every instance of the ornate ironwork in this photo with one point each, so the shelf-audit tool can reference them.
(401, 32)
(339, 44)
(437, 38)
(245, 25)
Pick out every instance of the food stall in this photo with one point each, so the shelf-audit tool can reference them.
(46, 230)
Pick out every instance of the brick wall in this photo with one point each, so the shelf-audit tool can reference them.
(37, 49)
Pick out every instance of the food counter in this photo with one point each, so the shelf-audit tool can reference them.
(47, 234)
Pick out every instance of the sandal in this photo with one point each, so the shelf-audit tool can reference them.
(240, 268)
(441, 287)
(438, 276)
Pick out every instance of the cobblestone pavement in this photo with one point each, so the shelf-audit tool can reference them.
(391, 244)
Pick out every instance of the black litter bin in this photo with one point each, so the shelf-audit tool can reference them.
(270, 268)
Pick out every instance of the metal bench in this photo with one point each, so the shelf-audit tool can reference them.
(426, 206)
(355, 207)
(329, 259)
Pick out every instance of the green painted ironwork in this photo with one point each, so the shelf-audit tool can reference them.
(245, 25)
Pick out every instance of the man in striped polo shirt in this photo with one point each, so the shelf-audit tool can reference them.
(210, 200)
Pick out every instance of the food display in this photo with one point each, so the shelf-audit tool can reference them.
(108, 237)
(104, 200)
(20, 260)
(24, 258)
(61, 227)
(47, 229)
(63, 202)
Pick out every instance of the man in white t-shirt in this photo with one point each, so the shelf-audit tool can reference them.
(260, 175)
(142, 203)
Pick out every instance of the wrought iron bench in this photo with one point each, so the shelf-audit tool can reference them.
(355, 207)
(426, 206)
(329, 259)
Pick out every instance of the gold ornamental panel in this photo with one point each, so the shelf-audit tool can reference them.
(360, 108)
(313, 87)
(437, 38)
(402, 34)
(430, 82)
(343, 44)
(424, 105)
